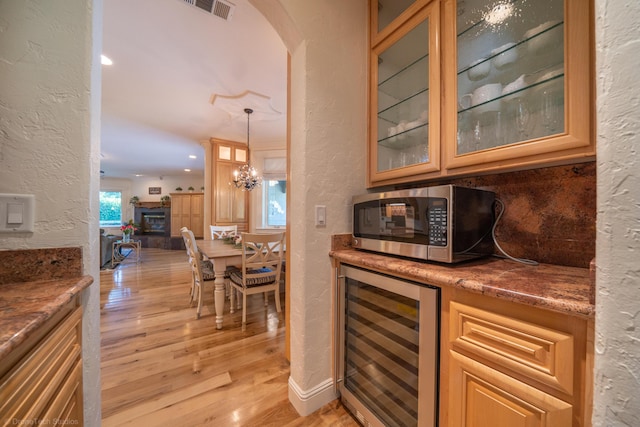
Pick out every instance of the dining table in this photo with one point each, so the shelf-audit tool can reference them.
(222, 254)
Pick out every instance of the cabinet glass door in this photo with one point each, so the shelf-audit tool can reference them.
(510, 72)
(405, 95)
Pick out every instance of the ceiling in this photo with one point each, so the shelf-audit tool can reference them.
(170, 61)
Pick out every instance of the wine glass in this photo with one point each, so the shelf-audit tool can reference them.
(477, 134)
(522, 118)
(550, 112)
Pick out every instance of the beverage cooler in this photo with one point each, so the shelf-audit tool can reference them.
(388, 338)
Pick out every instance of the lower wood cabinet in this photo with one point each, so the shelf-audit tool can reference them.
(41, 381)
(505, 364)
(187, 210)
(487, 397)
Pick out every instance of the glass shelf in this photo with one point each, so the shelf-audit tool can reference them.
(393, 113)
(414, 72)
(515, 48)
(407, 138)
(535, 111)
(489, 104)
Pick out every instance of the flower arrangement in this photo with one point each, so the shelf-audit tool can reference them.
(128, 228)
(232, 239)
(237, 239)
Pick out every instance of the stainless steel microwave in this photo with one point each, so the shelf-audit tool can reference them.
(444, 223)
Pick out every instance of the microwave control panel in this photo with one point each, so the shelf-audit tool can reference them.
(437, 217)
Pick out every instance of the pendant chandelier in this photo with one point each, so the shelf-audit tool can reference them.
(246, 178)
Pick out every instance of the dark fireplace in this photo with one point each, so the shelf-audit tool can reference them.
(153, 221)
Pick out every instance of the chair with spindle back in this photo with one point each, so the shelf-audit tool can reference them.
(262, 256)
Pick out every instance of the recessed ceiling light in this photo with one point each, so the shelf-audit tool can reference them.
(187, 170)
(193, 156)
(139, 174)
(105, 60)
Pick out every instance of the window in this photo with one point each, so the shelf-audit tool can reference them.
(110, 209)
(275, 203)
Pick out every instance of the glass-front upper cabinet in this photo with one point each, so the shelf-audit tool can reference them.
(405, 91)
(519, 74)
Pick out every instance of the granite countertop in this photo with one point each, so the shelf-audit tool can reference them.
(568, 290)
(26, 306)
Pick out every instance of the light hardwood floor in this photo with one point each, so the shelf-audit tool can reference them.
(161, 366)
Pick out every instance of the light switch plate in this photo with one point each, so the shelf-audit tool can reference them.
(19, 218)
(321, 215)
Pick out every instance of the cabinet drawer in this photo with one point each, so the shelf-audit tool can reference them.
(27, 390)
(540, 353)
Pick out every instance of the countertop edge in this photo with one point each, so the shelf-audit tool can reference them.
(565, 294)
(35, 319)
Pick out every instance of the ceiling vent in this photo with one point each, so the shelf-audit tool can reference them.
(220, 8)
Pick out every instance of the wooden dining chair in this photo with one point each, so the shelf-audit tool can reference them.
(192, 293)
(201, 268)
(222, 231)
(262, 256)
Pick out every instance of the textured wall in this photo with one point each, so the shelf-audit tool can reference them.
(329, 111)
(617, 373)
(49, 141)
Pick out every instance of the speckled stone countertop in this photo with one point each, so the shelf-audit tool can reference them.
(25, 306)
(34, 285)
(568, 290)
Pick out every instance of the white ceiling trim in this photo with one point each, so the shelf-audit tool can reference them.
(234, 105)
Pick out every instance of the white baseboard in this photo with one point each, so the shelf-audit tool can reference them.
(311, 400)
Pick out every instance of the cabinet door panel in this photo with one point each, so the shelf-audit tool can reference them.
(240, 202)
(405, 100)
(223, 197)
(180, 213)
(492, 399)
(518, 93)
(197, 215)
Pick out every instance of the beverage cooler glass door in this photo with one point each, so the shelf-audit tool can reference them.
(510, 72)
(389, 349)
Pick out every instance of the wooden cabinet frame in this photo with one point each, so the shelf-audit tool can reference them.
(229, 205)
(412, 17)
(575, 144)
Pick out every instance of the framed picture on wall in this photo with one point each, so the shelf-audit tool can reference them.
(155, 190)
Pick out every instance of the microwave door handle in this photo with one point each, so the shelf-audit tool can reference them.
(337, 333)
